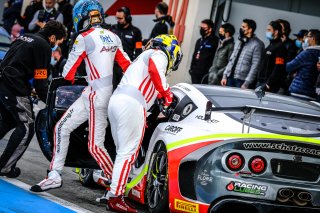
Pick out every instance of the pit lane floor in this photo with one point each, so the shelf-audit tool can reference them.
(34, 167)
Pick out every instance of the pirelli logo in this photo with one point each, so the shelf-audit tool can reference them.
(186, 206)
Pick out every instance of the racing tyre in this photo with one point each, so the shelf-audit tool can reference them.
(157, 186)
(86, 177)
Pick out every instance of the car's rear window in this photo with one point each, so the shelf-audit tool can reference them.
(287, 124)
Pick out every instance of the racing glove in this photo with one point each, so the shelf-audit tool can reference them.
(167, 97)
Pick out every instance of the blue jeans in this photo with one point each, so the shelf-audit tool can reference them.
(234, 82)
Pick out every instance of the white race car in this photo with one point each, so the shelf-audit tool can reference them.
(215, 149)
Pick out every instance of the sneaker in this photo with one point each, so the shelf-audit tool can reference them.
(14, 172)
(104, 198)
(53, 181)
(119, 204)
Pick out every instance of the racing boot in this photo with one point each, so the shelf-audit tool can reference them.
(119, 204)
(52, 181)
(14, 172)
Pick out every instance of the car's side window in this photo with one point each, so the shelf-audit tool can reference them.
(67, 95)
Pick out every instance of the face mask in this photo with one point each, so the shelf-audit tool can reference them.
(269, 36)
(222, 37)
(48, 10)
(53, 61)
(298, 43)
(203, 32)
(241, 33)
(305, 44)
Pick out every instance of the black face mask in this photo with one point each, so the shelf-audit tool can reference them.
(203, 32)
(241, 33)
(222, 37)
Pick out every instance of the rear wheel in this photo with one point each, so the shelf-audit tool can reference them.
(86, 177)
(157, 185)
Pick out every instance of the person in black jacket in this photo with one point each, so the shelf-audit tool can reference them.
(204, 52)
(272, 76)
(11, 13)
(28, 57)
(31, 9)
(164, 23)
(130, 36)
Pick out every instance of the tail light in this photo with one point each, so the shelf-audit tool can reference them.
(235, 161)
(257, 164)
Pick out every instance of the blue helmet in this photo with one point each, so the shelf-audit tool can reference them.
(90, 10)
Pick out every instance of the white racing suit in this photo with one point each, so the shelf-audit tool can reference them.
(136, 93)
(99, 48)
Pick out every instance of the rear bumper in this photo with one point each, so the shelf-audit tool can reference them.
(256, 206)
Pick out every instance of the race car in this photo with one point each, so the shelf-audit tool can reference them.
(215, 149)
(5, 42)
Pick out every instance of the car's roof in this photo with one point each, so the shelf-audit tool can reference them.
(227, 96)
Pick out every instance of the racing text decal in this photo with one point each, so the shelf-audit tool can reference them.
(281, 147)
(247, 188)
(186, 206)
(173, 129)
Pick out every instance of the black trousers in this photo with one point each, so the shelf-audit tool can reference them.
(15, 113)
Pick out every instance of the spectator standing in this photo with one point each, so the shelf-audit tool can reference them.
(130, 37)
(246, 58)
(31, 9)
(28, 57)
(289, 43)
(204, 52)
(300, 39)
(273, 73)
(223, 54)
(65, 8)
(41, 17)
(303, 85)
(11, 13)
(164, 23)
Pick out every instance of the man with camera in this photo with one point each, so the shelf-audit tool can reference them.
(41, 17)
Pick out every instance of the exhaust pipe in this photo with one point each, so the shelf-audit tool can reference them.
(302, 198)
(284, 195)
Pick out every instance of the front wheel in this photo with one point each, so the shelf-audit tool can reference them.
(157, 185)
(86, 177)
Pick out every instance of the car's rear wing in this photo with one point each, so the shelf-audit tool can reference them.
(249, 110)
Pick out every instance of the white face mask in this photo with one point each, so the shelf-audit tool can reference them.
(53, 61)
(48, 10)
(305, 44)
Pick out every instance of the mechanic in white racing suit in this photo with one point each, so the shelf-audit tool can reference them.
(142, 83)
(99, 48)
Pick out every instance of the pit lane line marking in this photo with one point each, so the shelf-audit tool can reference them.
(47, 196)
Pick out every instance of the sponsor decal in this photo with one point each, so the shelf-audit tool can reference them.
(76, 42)
(108, 49)
(40, 74)
(281, 147)
(27, 39)
(186, 206)
(247, 188)
(106, 39)
(135, 193)
(204, 178)
(201, 117)
(173, 129)
(59, 129)
(187, 109)
(176, 117)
